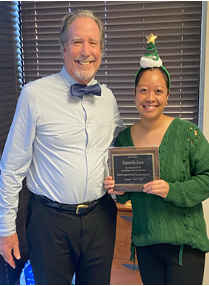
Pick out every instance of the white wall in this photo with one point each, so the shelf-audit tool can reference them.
(206, 133)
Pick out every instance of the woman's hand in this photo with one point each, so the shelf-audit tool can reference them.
(157, 187)
(109, 184)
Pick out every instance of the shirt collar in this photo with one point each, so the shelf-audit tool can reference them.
(69, 80)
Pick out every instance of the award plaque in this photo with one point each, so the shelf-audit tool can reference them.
(132, 167)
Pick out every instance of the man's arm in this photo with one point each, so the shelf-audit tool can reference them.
(15, 162)
(119, 125)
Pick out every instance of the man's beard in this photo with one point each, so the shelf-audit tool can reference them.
(84, 75)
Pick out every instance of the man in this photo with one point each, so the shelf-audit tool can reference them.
(58, 140)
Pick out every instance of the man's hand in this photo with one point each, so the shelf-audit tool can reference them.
(10, 245)
(109, 184)
(158, 188)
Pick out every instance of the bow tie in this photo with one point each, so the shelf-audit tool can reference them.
(80, 89)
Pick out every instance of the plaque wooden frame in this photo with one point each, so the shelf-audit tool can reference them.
(132, 167)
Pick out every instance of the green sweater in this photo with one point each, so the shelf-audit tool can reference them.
(184, 164)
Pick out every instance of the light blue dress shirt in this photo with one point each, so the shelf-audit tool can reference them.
(59, 143)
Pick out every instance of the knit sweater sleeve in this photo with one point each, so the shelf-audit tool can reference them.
(195, 189)
(121, 141)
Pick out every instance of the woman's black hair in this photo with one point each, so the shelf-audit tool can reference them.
(141, 71)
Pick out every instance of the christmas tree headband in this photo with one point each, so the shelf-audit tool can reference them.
(151, 58)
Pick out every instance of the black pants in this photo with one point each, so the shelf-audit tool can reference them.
(62, 243)
(159, 265)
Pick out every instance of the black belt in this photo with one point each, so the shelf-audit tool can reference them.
(76, 209)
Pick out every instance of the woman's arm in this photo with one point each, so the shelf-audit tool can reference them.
(196, 189)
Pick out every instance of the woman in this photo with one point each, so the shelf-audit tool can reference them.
(168, 228)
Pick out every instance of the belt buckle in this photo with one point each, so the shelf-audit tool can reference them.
(80, 206)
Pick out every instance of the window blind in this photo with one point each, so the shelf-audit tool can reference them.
(10, 85)
(177, 25)
(10, 66)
